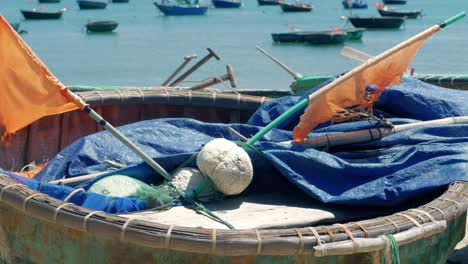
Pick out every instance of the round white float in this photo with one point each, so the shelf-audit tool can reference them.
(227, 165)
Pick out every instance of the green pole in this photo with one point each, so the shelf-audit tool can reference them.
(277, 121)
(304, 102)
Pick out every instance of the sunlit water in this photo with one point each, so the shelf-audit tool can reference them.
(148, 46)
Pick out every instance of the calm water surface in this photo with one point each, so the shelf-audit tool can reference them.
(148, 46)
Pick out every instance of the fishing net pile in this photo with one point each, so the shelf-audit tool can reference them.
(385, 172)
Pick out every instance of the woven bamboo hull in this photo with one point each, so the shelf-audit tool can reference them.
(36, 228)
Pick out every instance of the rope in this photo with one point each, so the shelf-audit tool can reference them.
(25, 201)
(319, 241)
(366, 233)
(437, 209)
(58, 209)
(69, 196)
(393, 223)
(391, 251)
(123, 231)
(460, 193)
(394, 251)
(350, 235)
(410, 218)
(457, 204)
(330, 233)
(7, 187)
(259, 242)
(213, 244)
(85, 220)
(424, 213)
(301, 241)
(168, 237)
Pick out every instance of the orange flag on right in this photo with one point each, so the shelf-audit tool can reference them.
(349, 91)
(28, 90)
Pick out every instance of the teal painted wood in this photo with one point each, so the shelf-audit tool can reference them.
(25, 239)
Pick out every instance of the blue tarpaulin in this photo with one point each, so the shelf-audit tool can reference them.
(384, 172)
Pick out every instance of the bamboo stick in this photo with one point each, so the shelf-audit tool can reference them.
(367, 135)
(78, 179)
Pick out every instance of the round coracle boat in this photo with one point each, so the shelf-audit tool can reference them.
(37, 228)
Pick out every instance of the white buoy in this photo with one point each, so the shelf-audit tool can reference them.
(227, 165)
(188, 179)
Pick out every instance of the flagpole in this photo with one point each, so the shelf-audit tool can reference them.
(121, 137)
(351, 73)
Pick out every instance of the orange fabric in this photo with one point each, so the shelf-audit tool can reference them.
(383, 74)
(28, 90)
(30, 174)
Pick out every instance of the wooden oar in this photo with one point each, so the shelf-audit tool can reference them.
(302, 104)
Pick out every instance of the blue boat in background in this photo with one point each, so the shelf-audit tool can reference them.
(185, 9)
(91, 4)
(357, 4)
(227, 3)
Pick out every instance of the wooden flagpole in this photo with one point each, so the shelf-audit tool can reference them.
(350, 74)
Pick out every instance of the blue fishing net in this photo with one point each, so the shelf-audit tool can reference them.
(386, 172)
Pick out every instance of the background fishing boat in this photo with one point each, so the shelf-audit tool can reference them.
(354, 33)
(49, 1)
(181, 10)
(40, 14)
(356, 4)
(296, 7)
(120, 1)
(227, 3)
(391, 12)
(312, 37)
(102, 26)
(394, 2)
(91, 4)
(377, 22)
(269, 2)
(326, 37)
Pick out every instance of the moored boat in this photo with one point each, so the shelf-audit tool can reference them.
(394, 2)
(181, 10)
(91, 4)
(269, 2)
(227, 3)
(102, 26)
(49, 1)
(391, 12)
(311, 37)
(325, 37)
(356, 4)
(38, 14)
(377, 22)
(354, 33)
(288, 37)
(296, 7)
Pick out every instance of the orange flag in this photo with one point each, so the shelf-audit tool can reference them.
(349, 91)
(28, 90)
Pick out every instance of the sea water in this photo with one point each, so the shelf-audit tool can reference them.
(147, 46)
